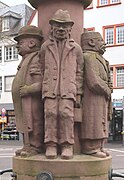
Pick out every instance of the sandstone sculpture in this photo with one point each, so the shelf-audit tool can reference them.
(26, 91)
(97, 95)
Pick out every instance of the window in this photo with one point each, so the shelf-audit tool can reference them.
(90, 29)
(11, 53)
(120, 35)
(120, 76)
(0, 54)
(103, 2)
(115, 1)
(111, 73)
(114, 35)
(0, 84)
(109, 36)
(107, 2)
(8, 82)
(117, 76)
(5, 24)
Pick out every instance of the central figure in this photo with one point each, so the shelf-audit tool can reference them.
(62, 60)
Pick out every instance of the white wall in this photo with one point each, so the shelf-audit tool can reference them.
(109, 15)
(35, 20)
(7, 69)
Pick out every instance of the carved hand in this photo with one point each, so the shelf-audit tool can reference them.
(78, 101)
(27, 90)
(24, 90)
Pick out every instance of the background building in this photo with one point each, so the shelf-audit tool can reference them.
(106, 17)
(11, 20)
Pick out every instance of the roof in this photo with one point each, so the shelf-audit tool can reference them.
(3, 5)
(8, 106)
(11, 13)
(21, 11)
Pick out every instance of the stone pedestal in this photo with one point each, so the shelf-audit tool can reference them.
(81, 167)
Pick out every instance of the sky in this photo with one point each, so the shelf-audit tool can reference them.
(15, 2)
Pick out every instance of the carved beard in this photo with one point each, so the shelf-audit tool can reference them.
(102, 49)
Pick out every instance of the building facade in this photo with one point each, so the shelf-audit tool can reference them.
(11, 20)
(106, 17)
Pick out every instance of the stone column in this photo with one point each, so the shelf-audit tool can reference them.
(46, 9)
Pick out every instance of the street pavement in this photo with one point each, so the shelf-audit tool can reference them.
(7, 151)
(8, 148)
(117, 152)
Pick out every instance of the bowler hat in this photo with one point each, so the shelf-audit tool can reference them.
(61, 17)
(29, 31)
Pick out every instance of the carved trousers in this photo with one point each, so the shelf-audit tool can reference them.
(90, 146)
(59, 120)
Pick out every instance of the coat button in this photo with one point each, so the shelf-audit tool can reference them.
(54, 78)
(55, 68)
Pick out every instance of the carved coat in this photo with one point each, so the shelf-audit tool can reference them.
(28, 109)
(97, 89)
(68, 76)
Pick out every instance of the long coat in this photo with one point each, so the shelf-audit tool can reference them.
(28, 109)
(66, 73)
(97, 95)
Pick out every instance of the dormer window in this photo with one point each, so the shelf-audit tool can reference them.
(11, 22)
(5, 24)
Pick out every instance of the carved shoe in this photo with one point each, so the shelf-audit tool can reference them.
(67, 152)
(105, 151)
(18, 152)
(51, 152)
(99, 154)
(27, 151)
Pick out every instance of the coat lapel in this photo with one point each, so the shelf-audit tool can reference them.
(68, 47)
(104, 63)
(53, 48)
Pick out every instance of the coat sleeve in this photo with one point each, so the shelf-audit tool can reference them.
(33, 76)
(80, 71)
(42, 60)
(94, 82)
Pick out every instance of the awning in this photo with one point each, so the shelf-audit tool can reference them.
(8, 106)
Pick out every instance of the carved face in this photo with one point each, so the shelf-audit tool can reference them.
(100, 45)
(23, 46)
(61, 31)
(28, 45)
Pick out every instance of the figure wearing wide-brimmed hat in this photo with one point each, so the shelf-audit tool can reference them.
(61, 17)
(61, 85)
(26, 91)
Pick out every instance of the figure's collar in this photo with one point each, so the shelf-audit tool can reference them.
(53, 39)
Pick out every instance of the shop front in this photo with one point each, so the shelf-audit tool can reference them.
(116, 124)
(7, 123)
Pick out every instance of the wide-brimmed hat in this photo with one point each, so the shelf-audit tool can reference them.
(61, 17)
(29, 31)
